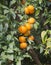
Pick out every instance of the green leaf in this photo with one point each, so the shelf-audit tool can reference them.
(2, 16)
(6, 27)
(36, 26)
(9, 37)
(37, 12)
(4, 47)
(6, 11)
(49, 39)
(50, 32)
(13, 32)
(44, 36)
(12, 2)
(12, 13)
(18, 62)
(47, 21)
(10, 57)
(46, 52)
(0, 62)
(3, 6)
(1, 27)
(26, 55)
(48, 44)
(40, 1)
(3, 56)
(10, 48)
(41, 49)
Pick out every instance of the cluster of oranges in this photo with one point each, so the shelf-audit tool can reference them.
(26, 28)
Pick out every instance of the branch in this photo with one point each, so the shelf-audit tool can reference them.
(34, 56)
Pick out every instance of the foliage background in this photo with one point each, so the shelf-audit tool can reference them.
(11, 17)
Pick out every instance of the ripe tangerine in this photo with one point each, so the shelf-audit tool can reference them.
(31, 38)
(28, 26)
(27, 33)
(22, 39)
(23, 45)
(31, 20)
(22, 29)
(31, 9)
(26, 10)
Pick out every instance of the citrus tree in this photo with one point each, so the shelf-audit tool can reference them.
(25, 31)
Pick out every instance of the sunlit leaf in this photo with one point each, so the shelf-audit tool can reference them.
(44, 36)
(48, 44)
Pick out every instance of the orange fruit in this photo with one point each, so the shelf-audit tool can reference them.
(31, 38)
(31, 12)
(22, 29)
(27, 33)
(31, 9)
(22, 39)
(31, 20)
(28, 26)
(26, 10)
(23, 1)
(23, 45)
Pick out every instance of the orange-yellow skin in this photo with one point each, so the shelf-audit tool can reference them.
(27, 33)
(28, 26)
(22, 29)
(26, 10)
(31, 38)
(31, 9)
(22, 39)
(23, 45)
(31, 20)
